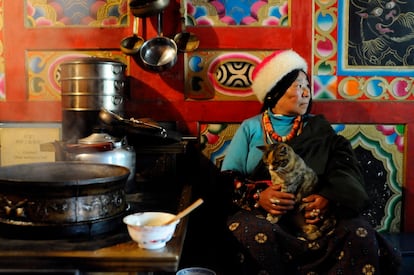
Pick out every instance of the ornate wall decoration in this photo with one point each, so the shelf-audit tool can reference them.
(380, 151)
(43, 70)
(214, 139)
(340, 72)
(238, 13)
(330, 45)
(324, 67)
(221, 75)
(377, 37)
(61, 13)
(375, 88)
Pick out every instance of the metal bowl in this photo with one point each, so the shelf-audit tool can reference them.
(159, 53)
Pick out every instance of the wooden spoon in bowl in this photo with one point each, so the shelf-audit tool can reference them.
(186, 211)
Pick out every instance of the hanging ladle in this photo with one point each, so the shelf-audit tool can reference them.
(159, 53)
(131, 44)
(186, 41)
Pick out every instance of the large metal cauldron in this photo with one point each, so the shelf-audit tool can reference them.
(87, 85)
(61, 198)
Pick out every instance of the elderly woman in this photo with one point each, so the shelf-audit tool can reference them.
(281, 83)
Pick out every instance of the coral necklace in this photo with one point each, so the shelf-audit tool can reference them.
(270, 132)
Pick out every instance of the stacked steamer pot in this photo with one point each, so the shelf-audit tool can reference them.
(87, 85)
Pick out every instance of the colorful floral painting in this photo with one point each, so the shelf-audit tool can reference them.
(63, 13)
(221, 13)
(340, 72)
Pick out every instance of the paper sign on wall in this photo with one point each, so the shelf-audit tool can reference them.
(22, 145)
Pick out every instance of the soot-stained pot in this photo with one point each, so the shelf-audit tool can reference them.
(57, 196)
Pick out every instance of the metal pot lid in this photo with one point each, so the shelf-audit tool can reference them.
(54, 175)
(92, 60)
(97, 138)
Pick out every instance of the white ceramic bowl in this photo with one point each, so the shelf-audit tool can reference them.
(145, 228)
(196, 271)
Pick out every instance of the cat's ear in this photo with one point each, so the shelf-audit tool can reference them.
(262, 147)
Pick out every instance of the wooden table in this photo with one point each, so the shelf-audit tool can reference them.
(113, 253)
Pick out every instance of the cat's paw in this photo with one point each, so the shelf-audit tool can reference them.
(311, 232)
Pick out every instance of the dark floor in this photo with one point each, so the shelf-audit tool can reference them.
(405, 243)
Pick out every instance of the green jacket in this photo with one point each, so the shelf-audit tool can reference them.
(332, 158)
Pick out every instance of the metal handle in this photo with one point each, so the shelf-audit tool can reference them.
(137, 122)
(160, 24)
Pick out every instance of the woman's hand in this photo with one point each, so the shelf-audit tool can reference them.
(315, 209)
(276, 202)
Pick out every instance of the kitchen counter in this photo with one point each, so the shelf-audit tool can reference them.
(114, 252)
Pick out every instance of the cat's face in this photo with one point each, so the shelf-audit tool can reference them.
(279, 157)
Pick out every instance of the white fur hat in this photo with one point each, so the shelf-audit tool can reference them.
(273, 68)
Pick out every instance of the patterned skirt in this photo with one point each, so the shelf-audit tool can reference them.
(354, 247)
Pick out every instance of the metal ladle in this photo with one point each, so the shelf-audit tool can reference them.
(159, 53)
(186, 41)
(131, 44)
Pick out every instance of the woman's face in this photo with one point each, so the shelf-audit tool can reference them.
(296, 99)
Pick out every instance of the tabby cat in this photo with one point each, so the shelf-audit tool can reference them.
(289, 170)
